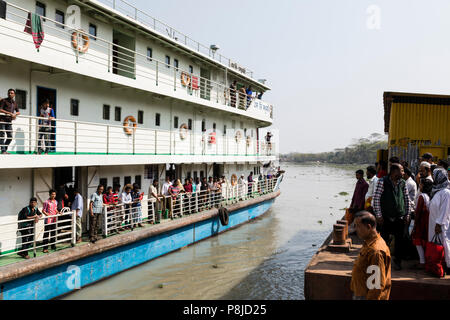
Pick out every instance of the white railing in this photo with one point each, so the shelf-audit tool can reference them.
(29, 136)
(131, 11)
(109, 58)
(26, 236)
(119, 217)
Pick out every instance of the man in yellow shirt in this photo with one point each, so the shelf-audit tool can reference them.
(371, 275)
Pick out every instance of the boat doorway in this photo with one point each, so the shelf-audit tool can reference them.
(218, 170)
(42, 95)
(65, 181)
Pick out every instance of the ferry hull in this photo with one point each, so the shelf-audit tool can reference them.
(62, 279)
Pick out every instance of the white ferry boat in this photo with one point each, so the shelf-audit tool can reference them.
(134, 100)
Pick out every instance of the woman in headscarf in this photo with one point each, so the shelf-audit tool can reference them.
(439, 222)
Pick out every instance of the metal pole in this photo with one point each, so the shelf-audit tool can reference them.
(34, 239)
(134, 141)
(174, 78)
(107, 139)
(157, 72)
(75, 137)
(156, 142)
(74, 228)
(105, 221)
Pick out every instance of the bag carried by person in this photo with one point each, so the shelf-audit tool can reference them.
(434, 257)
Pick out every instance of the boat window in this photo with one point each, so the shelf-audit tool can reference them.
(157, 120)
(214, 127)
(176, 64)
(116, 182)
(126, 180)
(190, 124)
(93, 31)
(106, 112)
(149, 54)
(104, 182)
(191, 69)
(203, 125)
(117, 113)
(175, 122)
(224, 129)
(59, 17)
(74, 107)
(141, 117)
(21, 98)
(168, 62)
(138, 180)
(40, 8)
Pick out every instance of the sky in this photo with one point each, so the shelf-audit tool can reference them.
(328, 62)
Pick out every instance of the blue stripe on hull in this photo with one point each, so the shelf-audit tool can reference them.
(61, 280)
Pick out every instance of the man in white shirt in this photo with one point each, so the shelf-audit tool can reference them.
(373, 181)
(165, 192)
(411, 185)
(154, 202)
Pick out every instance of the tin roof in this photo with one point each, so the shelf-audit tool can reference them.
(414, 98)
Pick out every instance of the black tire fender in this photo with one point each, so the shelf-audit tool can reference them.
(224, 216)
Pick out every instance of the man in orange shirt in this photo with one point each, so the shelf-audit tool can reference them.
(371, 275)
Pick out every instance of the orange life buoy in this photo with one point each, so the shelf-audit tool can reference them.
(185, 79)
(126, 125)
(85, 39)
(183, 131)
(212, 138)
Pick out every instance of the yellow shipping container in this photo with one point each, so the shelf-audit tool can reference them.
(416, 124)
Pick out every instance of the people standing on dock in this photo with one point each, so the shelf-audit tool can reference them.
(374, 259)
(419, 234)
(359, 195)
(95, 211)
(9, 110)
(188, 189)
(428, 157)
(175, 204)
(439, 222)
(137, 197)
(391, 205)
(77, 206)
(424, 172)
(47, 114)
(411, 185)
(50, 210)
(27, 218)
(371, 173)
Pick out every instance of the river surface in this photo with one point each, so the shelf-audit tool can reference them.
(264, 259)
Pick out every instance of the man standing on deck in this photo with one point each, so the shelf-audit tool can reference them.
(95, 211)
(392, 209)
(371, 274)
(165, 192)
(77, 206)
(9, 110)
(373, 180)
(28, 216)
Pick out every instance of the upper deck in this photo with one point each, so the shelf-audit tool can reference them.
(132, 57)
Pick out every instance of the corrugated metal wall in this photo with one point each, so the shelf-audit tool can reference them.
(417, 128)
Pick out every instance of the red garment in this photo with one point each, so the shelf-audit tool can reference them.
(188, 188)
(359, 196)
(382, 174)
(420, 232)
(108, 198)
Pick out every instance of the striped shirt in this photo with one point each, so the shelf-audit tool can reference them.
(379, 189)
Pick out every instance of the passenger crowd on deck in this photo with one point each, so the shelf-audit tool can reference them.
(124, 206)
(385, 206)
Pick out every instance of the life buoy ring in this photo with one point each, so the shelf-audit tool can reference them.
(183, 131)
(238, 136)
(224, 216)
(185, 79)
(234, 180)
(126, 125)
(212, 138)
(85, 39)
